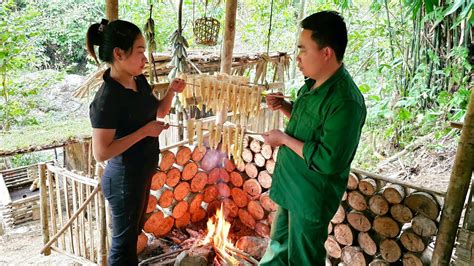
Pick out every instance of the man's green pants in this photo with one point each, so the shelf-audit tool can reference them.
(295, 241)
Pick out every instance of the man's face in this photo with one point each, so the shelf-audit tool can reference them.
(311, 59)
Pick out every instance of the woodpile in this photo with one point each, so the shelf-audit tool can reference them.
(379, 224)
(188, 189)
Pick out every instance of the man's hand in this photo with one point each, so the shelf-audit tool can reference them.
(274, 103)
(177, 85)
(154, 128)
(275, 138)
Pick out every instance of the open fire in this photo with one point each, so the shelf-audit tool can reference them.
(218, 236)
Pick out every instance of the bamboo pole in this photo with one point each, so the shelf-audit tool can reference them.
(60, 211)
(457, 190)
(75, 227)
(44, 207)
(68, 213)
(52, 207)
(111, 9)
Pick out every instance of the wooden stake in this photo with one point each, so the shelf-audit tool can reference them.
(44, 208)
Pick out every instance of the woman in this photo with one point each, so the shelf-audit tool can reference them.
(125, 131)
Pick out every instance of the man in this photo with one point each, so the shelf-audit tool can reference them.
(317, 147)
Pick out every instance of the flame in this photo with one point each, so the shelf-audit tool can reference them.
(217, 233)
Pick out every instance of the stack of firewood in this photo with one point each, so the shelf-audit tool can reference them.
(378, 224)
(193, 183)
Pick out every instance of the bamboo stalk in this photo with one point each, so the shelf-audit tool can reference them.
(101, 218)
(68, 213)
(44, 208)
(90, 226)
(60, 211)
(71, 220)
(52, 207)
(75, 234)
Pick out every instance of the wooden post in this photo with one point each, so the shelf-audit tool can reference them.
(44, 206)
(111, 9)
(457, 190)
(102, 258)
(228, 48)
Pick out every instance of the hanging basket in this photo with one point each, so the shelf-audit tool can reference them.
(206, 31)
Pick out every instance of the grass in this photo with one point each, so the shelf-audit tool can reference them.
(44, 134)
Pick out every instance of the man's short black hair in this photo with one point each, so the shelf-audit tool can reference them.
(329, 30)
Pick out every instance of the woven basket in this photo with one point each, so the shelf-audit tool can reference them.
(206, 31)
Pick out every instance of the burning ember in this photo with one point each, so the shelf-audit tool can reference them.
(227, 254)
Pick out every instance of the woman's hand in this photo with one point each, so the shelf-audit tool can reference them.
(154, 128)
(177, 85)
(274, 103)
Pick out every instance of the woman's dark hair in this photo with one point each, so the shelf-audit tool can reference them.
(107, 36)
(328, 30)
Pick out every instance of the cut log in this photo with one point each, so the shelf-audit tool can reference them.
(423, 203)
(229, 165)
(159, 225)
(366, 243)
(245, 141)
(270, 166)
(183, 155)
(180, 209)
(343, 234)
(183, 221)
(423, 226)
(239, 197)
(172, 177)
(339, 216)
(230, 208)
(223, 175)
(379, 262)
(158, 180)
(182, 191)
(254, 246)
(265, 179)
(332, 247)
(236, 179)
(151, 206)
(394, 193)
(223, 190)
(330, 227)
(411, 241)
(378, 205)
(390, 250)
(356, 200)
(210, 193)
(167, 160)
(247, 155)
(368, 186)
(252, 188)
(267, 203)
(199, 182)
(352, 182)
(247, 219)
(166, 198)
(142, 242)
(352, 255)
(198, 153)
(344, 196)
(262, 229)
(255, 146)
(266, 151)
(251, 170)
(213, 176)
(259, 160)
(359, 221)
(195, 204)
(385, 226)
(401, 213)
(189, 170)
(412, 259)
(198, 215)
(255, 209)
(275, 153)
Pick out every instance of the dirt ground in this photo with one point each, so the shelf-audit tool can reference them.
(22, 245)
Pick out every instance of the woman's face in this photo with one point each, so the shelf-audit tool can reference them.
(134, 62)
